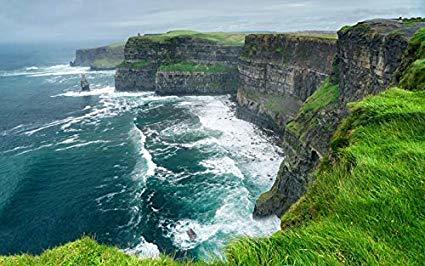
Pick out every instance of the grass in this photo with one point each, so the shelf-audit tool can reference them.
(314, 35)
(225, 38)
(322, 97)
(105, 63)
(413, 74)
(412, 21)
(85, 251)
(190, 67)
(306, 118)
(414, 77)
(367, 205)
(139, 64)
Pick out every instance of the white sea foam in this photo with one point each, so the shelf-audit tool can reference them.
(222, 165)
(83, 144)
(144, 249)
(72, 139)
(43, 71)
(247, 153)
(35, 149)
(139, 139)
(31, 68)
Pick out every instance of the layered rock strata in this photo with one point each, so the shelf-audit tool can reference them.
(156, 51)
(278, 72)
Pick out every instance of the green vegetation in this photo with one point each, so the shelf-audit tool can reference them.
(314, 35)
(412, 21)
(413, 65)
(191, 67)
(307, 117)
(367, 205)
(139, 64)
(414, 77)
(83, 252)
(345, 28)
(225, 38)
(322, 97)
(106, 63)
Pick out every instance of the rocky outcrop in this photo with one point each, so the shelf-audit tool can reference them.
(278, 72)
(106, 57)
(368, 55)
(129, 78)
(144, 55)
(84, 84)
(188, 83)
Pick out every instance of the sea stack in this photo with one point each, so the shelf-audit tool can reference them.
(85, 86)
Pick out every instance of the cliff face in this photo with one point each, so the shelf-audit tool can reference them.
(186, 83)
(278, 72)
(155, 51)
(367, 58)
(107, 57)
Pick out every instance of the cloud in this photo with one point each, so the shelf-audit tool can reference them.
(29, 20)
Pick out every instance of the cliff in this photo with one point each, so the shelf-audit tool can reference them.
(366, 62)
(278, 72)
(193, 79)
(146, 55)
(100, 58)
(365, 206)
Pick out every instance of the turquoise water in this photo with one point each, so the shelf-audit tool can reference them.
(130, 169)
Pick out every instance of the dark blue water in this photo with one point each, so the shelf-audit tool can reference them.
(130, 169)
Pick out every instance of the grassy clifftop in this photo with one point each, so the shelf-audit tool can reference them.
(224, 38)
(366, 206)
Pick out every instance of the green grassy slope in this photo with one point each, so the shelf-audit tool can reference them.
(84, 252)
(225, 38)
(367, 205)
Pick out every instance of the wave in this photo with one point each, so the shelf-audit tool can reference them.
(31, 68)
(140, 139)
(83, 144)
(222, 166)
(44, 71)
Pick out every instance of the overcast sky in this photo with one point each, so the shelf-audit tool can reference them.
(54, 20)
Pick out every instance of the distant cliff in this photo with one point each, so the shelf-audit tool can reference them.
(181, 62)
(100, 58)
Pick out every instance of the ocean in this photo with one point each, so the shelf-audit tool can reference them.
(133, 170)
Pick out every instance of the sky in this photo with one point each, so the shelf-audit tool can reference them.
(66, 20)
